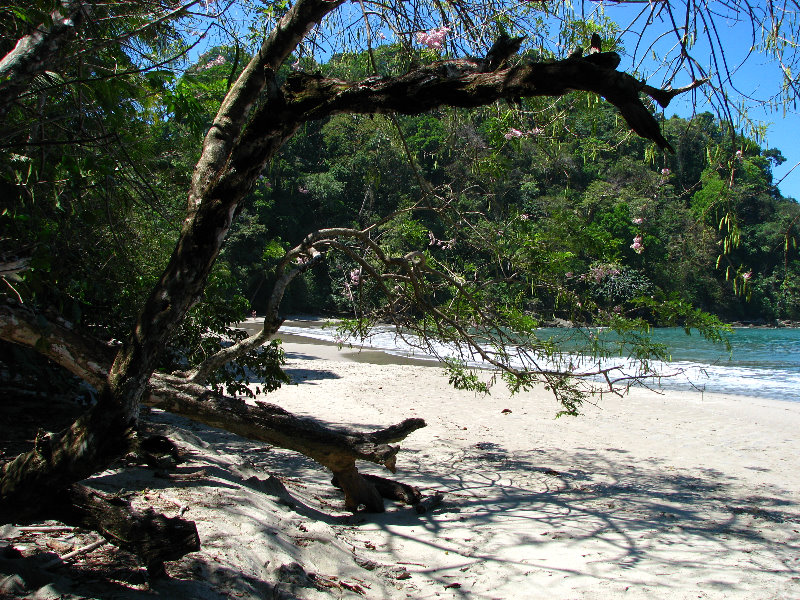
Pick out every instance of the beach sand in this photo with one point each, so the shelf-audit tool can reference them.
(676, 495)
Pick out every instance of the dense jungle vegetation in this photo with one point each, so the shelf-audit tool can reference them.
(605, 214)
(449, 181)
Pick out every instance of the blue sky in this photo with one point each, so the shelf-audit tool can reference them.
(754, 75)
(757, 77)
(783, 131)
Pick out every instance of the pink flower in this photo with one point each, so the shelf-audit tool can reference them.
(665, 172)
(302, 190)
(434, 38)
(637, 245)
(355, 276)
(600, 272)
(747, 276)
(219, 60)
(637, 221)
(516, 133)
(443, 244)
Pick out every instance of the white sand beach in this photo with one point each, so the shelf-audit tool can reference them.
(680, 495)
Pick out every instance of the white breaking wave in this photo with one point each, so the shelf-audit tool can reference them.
(718, 378)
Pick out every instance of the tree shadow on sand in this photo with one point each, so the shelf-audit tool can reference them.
(633, 512)
(603, 517)
(597, 516)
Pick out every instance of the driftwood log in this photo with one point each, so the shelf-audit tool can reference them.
(258, 115)
(337, 450)
(152, 537)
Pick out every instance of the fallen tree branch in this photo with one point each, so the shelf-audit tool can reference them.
(390, 489)
(269, 423)
(335, 450)
(153, 538)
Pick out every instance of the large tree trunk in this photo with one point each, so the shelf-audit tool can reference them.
(253, 122)
(103, 435)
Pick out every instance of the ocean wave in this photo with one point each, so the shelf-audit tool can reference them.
(718, 375)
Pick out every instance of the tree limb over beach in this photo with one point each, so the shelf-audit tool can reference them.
(260, 112)
(336, 450)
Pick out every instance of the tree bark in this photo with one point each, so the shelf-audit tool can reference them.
(153, 538)
(37, 51)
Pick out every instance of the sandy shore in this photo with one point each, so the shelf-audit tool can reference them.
(650, 496)
(668, 496)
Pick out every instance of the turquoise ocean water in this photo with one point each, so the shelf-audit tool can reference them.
(763, 362)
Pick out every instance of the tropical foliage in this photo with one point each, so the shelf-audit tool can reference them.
(441, 181)
(581, 201)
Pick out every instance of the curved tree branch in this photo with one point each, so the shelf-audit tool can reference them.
(36, 51)
(337, 450)
(462, 83)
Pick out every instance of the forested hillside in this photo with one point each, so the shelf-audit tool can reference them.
(602, 213)
(166, 168)
(600, 216)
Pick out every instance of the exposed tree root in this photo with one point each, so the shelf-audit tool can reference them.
(152, 537)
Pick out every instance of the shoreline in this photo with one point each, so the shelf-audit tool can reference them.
(302, 346)
(673, 495)
(713, 377)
